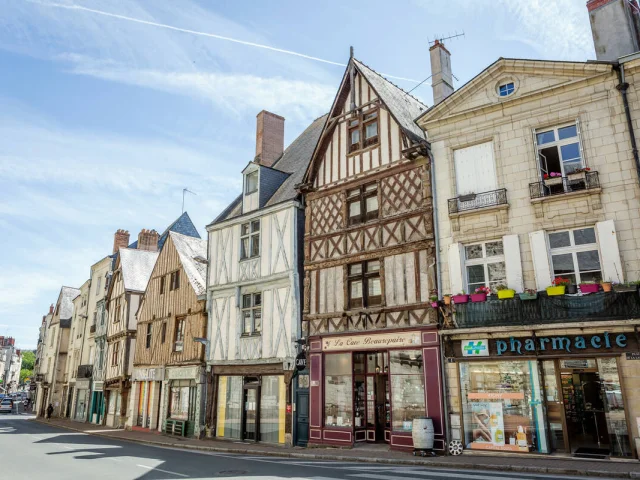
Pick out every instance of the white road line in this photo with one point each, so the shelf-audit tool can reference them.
(427, 473)
(163, 471)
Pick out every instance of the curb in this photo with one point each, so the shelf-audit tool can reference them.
(387, 461)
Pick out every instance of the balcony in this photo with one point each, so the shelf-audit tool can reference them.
(549, 310)
(475, 201)
(576, 182)
(85, 371)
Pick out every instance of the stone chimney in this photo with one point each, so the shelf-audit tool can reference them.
(148, 240)
(269, 138)
(615, 27)
(441, 77)
(120, 240)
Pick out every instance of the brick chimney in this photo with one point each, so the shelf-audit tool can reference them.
(269, 138)
(615, 28)
(441, 77)
(148, 240)
(51, 308)
(120, 240)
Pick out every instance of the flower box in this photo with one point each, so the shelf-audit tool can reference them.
(554, 291)
(502, 294)
(621, 288)
(576, 176)
(528, 296)
(553, 181)
(460, 298)
(447, 299)
(589, 287)
(478, 297)
(434, 304)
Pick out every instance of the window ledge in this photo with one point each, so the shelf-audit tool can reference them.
(250, 335)
(363, 150)
(480, 211)
(255, 257)
(564, 196)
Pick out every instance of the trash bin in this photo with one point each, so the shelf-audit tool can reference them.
(422, 433)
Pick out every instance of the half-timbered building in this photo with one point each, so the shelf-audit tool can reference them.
(168, 366)
(368, 263)
(254, 290)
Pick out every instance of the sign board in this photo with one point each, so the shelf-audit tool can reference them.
(148, 374)
(475, 348)
(301, 361)
(372, 342)
(633, 355)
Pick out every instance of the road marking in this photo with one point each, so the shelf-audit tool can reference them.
(103, 431)
(427, 473)
(163, 471)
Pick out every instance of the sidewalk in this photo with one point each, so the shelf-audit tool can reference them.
(530, 464)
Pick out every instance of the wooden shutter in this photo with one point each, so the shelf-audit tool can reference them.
(456, 277)
(609, 253)
(475, 169)
(513, 262)
(540, 256)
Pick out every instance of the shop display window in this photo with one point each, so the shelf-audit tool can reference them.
(181, 397)
(502, 406)
(338, 388)
(272, 409)
(614, 407)
(229, 413)
(407, 388)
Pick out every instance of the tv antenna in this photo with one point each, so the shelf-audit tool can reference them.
(186, 190)
(448, 37)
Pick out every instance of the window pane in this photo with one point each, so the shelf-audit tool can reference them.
(257, 299)
(337, 364)
(570, 152)
(475, 274)
(244, 248)
(562, 264)
(257, 320)
(369, 116)
(546, 137)
(559, 239)
(473, 251)
(355, 269)
(494, 249)
(584, 236)
(354, 208)
(244, 229)
(255, 226)
(246, 321)
(590, 277)
(374, 287)
(372, 187)
(255, 245)
(497, 273)
(567, 132)
(252, 182)
(229, 407)
(338, 401)
(353, 193)
(272, 409)
(373, 266)
(356, 289)
(246, 301)
(353, 123)
(355, 136)
(588, 260)
(570, 167)
(371, 130)
(372, 204)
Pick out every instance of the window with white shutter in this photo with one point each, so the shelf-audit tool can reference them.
(475, 169)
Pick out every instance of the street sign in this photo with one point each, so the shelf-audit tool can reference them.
(301, 361)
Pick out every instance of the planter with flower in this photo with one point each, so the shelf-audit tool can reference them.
(505, 292)
(558, 286)
(480, 294)
(606, 286)
(589, 287)
(552, 178)
(434, 298)
(446, 298)
(571, 289)
(579, 174)
(460, 298)
(528, 294)
(625, 287)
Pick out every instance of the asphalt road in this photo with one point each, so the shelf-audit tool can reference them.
(30, 450)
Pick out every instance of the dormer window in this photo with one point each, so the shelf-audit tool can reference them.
(506, 89)
(251, 183)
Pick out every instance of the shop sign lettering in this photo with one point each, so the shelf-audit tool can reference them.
(560, 343)
(366, 342)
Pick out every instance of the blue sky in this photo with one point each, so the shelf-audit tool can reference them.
(103, 119)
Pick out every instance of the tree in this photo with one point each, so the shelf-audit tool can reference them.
(25, 373)
(28, 359)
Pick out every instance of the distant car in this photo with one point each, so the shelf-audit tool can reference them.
(6, 405)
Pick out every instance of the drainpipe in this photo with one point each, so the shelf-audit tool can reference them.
(434, 197)
(622, 87)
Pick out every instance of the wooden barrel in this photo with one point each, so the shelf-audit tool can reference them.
(423, 433)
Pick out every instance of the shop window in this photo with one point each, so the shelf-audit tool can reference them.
(272, 409)
(229, 411)
(250, 240)
(407, 388)
(484, 264)
(614, 411)
(574, 255)
(362, 203)
(365, 289)
(559, 150)
(178, 336)
(181, 397)
(338, 388)
(148, 336)
(251, 314)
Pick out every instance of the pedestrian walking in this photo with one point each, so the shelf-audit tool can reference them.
(49, 411)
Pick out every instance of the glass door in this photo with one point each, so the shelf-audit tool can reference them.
(555, 407)
(250, 424)
(613, 404)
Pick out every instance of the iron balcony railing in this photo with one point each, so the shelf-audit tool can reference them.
(560, 185)
(473, 201)
(548, 310)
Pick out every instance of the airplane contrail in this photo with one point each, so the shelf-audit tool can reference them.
(202, 34)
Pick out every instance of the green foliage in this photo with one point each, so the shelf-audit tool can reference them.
(25, 373)
(28, 359)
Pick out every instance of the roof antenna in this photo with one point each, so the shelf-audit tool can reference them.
(351, 84)
(442, 39)
(186, 190)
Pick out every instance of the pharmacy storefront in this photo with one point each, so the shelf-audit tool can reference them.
(546, 393)
(368, 387)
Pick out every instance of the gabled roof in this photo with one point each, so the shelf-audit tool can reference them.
(404, 107)
(193, 256)
(67, 294)
(182, 224)
(136, 266)
(293, 162)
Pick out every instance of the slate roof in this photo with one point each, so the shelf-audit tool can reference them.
(403, 106)
(137, 266)
(67, 294)
(182, 224)
(294, 161)
(189, 249)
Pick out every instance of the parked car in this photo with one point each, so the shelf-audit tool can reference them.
(6, 405)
